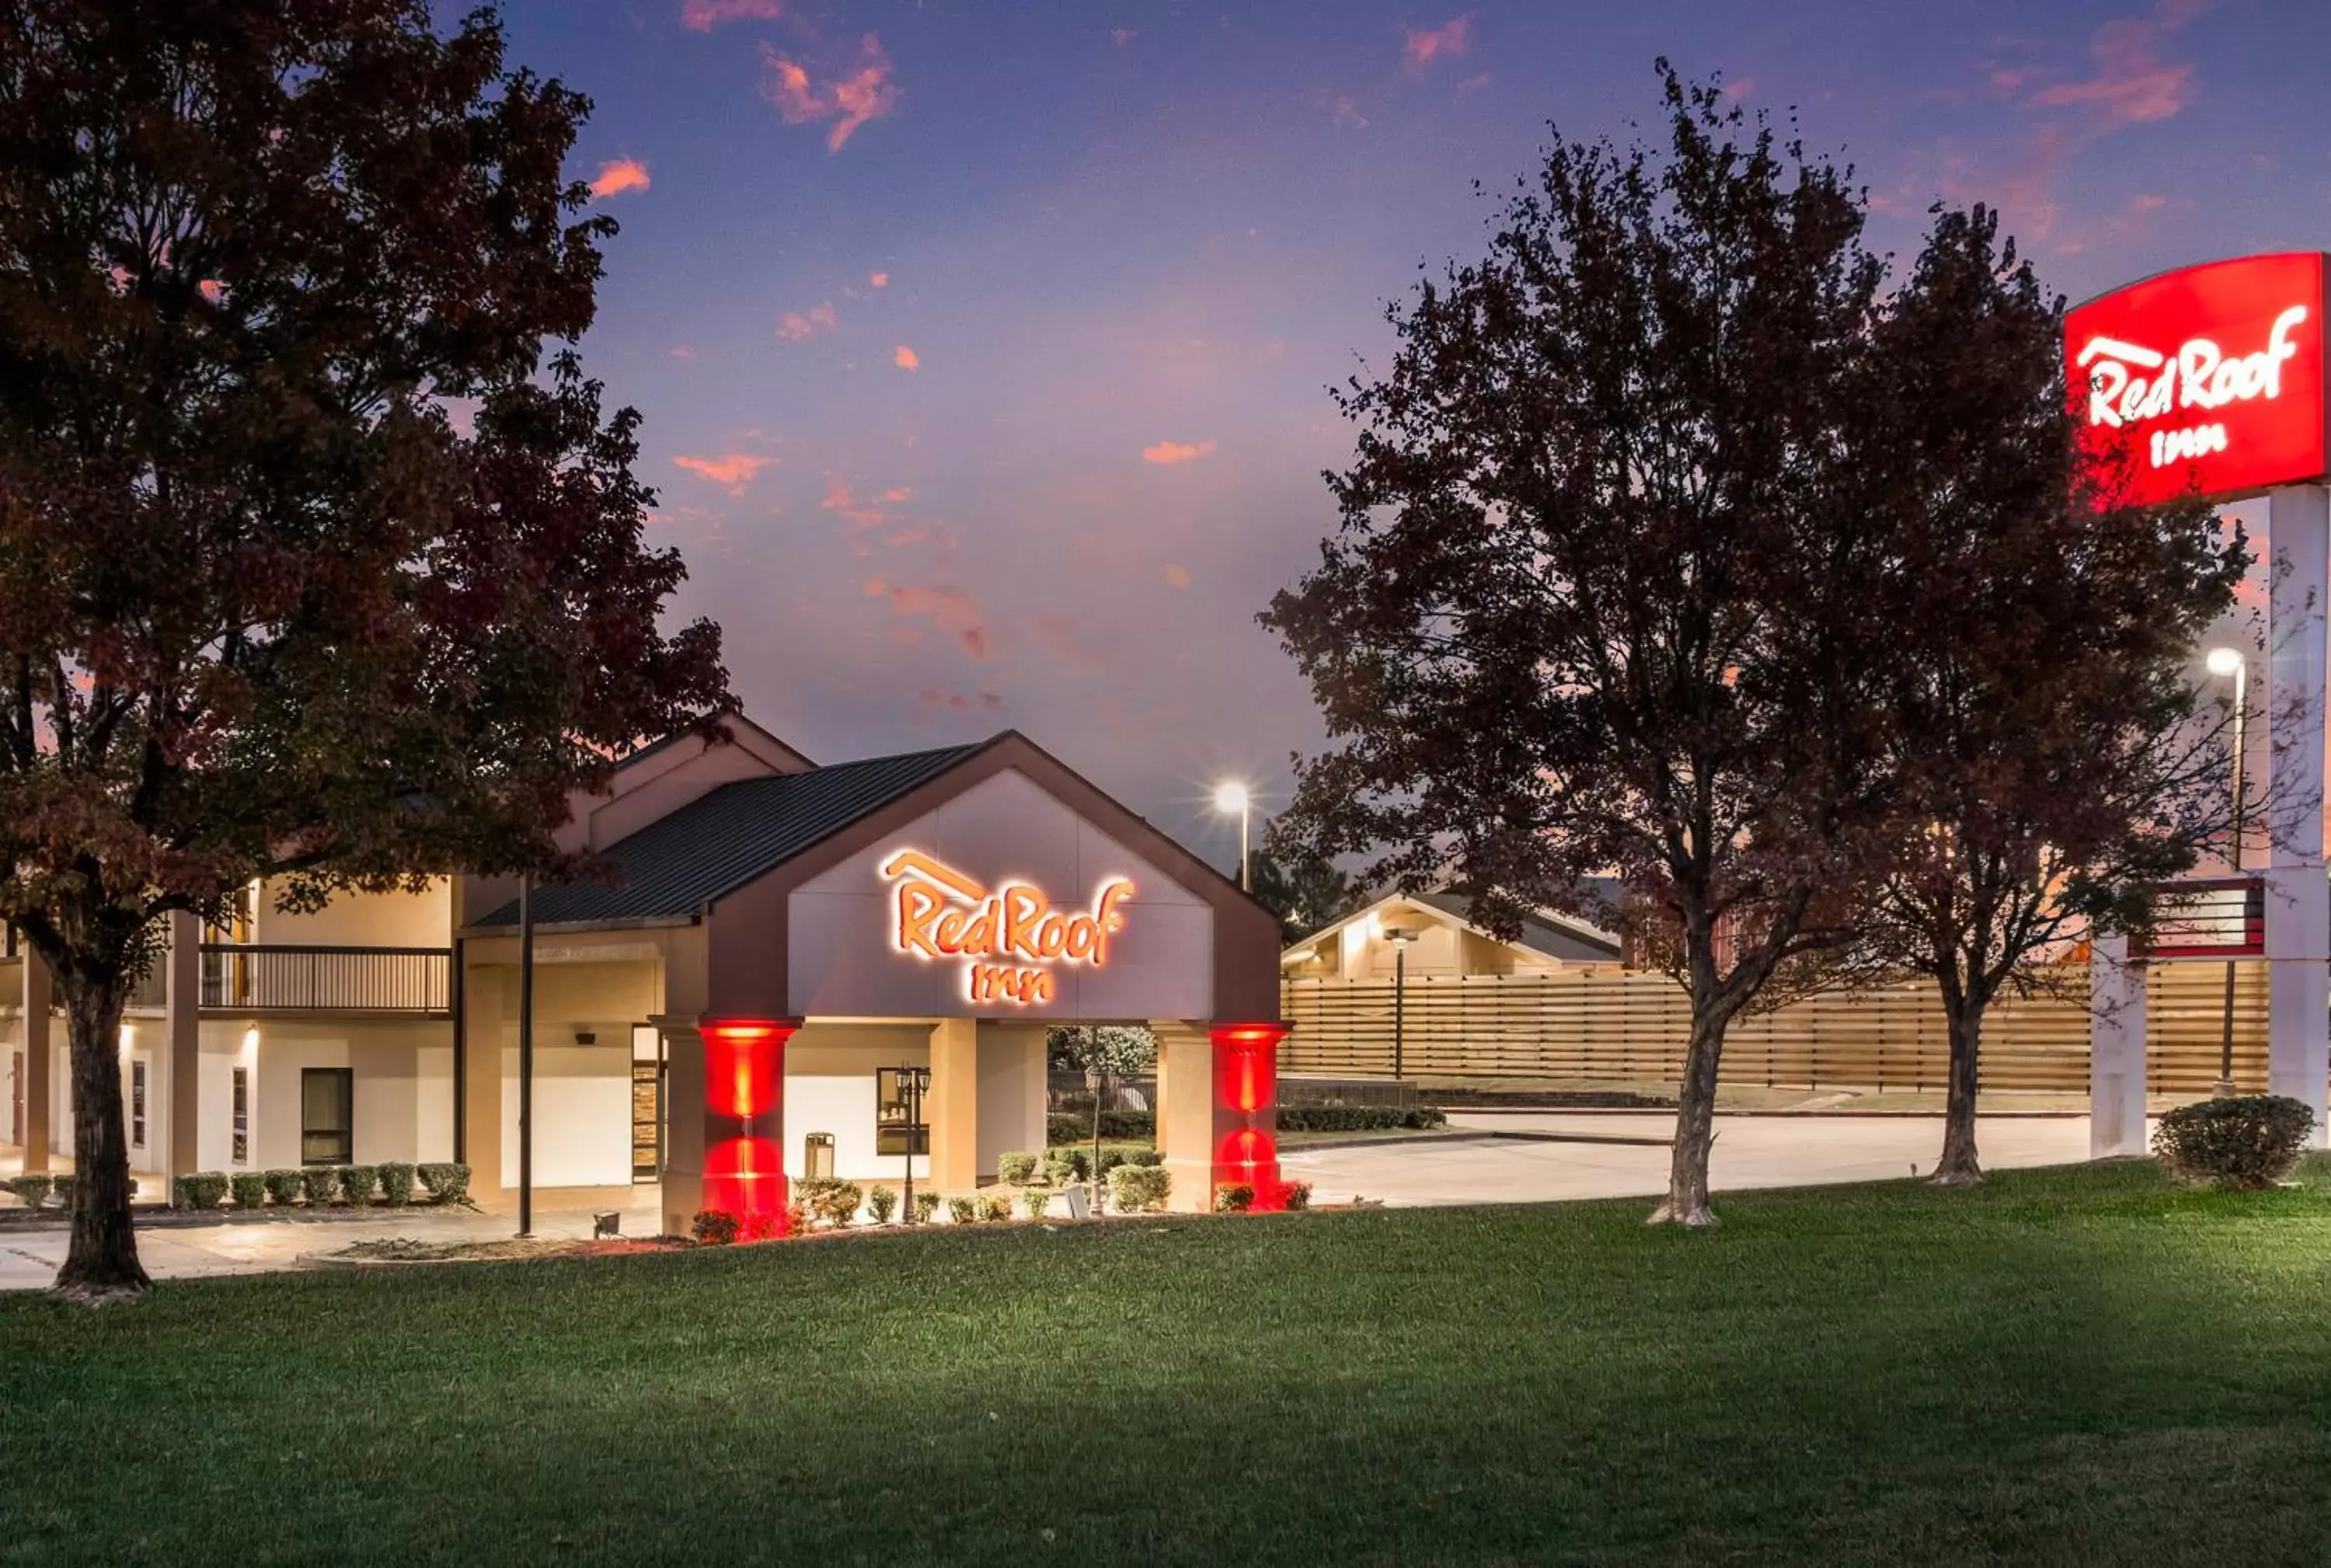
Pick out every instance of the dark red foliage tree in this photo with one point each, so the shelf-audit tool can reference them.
(1595, 606)
(267, 608)
(2042, 685)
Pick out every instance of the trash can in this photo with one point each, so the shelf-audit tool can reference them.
(817, 1157)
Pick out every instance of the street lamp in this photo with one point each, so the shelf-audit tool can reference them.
(2224, 663)
(911, 1080)
(1231, 800)
(1400, 937)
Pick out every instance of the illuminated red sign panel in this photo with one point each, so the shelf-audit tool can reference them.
(2209, 379)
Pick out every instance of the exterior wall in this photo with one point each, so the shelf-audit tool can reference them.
(1011, 1096)
(830, 1088)
(582, 1110)
(423, 919)
(844, 956)
(403, 1085)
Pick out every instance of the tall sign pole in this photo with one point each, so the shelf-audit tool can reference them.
(525, 1055)
(2210, 381)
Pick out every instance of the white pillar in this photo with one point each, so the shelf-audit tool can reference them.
(2297, 897)
(2115, 1050)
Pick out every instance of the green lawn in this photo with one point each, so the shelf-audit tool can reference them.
(2081, 1367)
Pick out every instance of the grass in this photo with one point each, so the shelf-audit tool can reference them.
(2077, 1367)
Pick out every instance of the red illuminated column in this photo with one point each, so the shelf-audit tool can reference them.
(743, 1169)
(1246, 1109)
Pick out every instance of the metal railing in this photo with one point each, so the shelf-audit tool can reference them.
(260, 978)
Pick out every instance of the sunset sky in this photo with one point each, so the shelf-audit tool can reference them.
(983, 346)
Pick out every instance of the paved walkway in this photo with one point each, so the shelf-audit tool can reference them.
(182, 1249)
(1750, 1152)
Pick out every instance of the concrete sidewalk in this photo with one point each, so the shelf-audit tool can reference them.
(29, 1258)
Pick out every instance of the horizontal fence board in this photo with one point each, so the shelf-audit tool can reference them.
(1606, 1026)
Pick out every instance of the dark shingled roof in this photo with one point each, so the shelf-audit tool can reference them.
(717, 843)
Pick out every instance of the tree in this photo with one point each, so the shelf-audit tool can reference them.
(1306, 890)
(1118, 1050)
(266, 609)
(2041, 697)
(1593, 606)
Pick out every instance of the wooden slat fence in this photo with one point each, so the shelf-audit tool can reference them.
(1606, 1026)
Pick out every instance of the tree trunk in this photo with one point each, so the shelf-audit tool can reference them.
(1959, 1166)
(101, 1260)
(1695, 1134)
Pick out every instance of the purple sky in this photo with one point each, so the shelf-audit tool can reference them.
(983, 346)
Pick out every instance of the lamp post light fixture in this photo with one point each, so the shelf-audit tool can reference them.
(2224, 663)
(1231, 799)
(912, 1080)
(1094, 1077)
(1400, 937)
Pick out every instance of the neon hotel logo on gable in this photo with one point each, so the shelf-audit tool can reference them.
(1012, 936)
(2212, 375)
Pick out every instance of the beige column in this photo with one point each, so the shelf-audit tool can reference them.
(39, 1055)
(482, 989)
(1185, 1113)
(182, 1039)
(1012, 1099)
(952, 1106)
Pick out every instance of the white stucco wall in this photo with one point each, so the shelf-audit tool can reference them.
(363, 920)
(830, 1088)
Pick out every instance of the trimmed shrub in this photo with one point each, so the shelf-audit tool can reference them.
(882, 1202)
(1076, 1126)
(359, 1183)
(283, 1187)
(1297, 1195)
(836, 1204)
(1139, 1189)
(2246, 1142)
(203, 1190)
(1334, 1117)
(62, 1184)
(764, 1227)
(319, 1182)
(1148, 1157)
(250, 1189)
(962, 1210)
(396, 1182)
(927, 1203)
(1233, 1197)
(448, 1182)
(1063, 1166)
(1017, 1166)
(714, 1227)
(996, 1206)
(31, 1191)
(1034, 1200)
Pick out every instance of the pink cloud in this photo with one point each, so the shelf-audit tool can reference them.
(867, 513)
(732, 472)
(1059, 634)
(682, 352)
(1177, 576)
(848, 100)
(793, 327)
(2132, 85)
(1168, 453)
(906, 359)
(617, 175)
(951, 610)
(1472, 84)
(704, 15)
(1452, 37)
(878, 279)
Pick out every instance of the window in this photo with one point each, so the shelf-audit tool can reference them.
(242, 1145)
(326, 1116)
(893, 1133)
(137, 1103)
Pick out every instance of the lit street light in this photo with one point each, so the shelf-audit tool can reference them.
(1231, 800)
(2224, 663)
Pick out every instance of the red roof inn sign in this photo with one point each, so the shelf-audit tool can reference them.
(2209, 382)
(2210, 377)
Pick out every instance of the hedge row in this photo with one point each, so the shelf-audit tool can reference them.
(319, 1185)
(1329, 1117)
(1075, 1126)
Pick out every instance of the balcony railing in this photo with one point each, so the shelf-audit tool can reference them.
(250, 977)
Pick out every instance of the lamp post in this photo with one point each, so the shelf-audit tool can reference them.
(1400, 937)
(1093, 1079)
(525, 1055)
(2224, 663)
(911, 1080)
(1233, 800)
